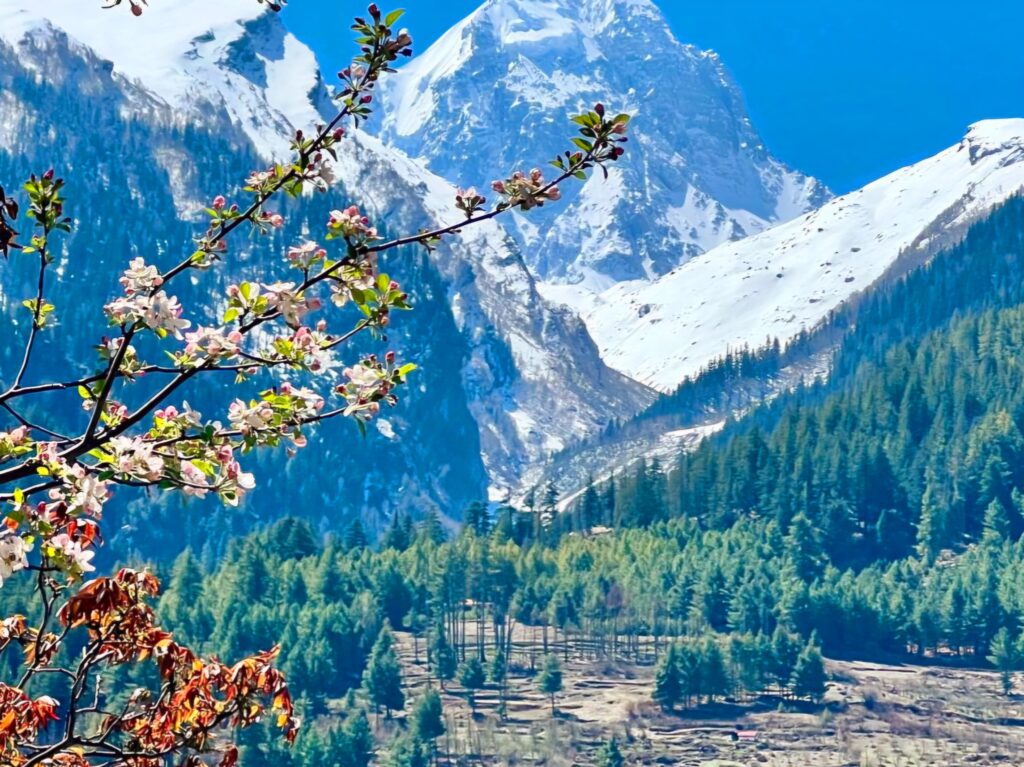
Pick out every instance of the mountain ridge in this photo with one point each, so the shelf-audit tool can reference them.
(781, 282)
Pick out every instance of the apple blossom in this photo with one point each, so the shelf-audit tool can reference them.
(351, 223)
(307, 254)
(13, 555)
(77, 558)
(139, 277)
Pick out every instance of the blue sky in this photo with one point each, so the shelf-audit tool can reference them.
(847, 90)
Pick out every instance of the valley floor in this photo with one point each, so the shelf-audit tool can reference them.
(873, 716)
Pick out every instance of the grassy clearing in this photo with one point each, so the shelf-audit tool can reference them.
(873, 716)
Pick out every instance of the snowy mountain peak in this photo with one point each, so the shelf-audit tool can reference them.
(995, 136)
(233, 55)
(496, 92)
(787, 279)
(525, 21)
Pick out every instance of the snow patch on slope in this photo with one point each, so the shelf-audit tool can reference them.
(787, 279)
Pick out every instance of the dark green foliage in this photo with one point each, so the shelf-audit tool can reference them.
(668, 686)
(382, 678)
(443, 656)
(609, 754)
(549, 681)
(1005, 655)
(473, 678)
(808, 677)
(428, 717)
(918, 449)
(408, 751)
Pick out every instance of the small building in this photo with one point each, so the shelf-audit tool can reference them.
(743, 736)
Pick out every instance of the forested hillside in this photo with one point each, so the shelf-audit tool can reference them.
(738, 612)
(912, 443)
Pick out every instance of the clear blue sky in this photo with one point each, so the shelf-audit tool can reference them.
(846, 90)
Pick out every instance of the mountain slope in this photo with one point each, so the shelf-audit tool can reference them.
(159, 113)
(494, 92)
(775, 284)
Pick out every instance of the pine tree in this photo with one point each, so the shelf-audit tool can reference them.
(408, 751)
(383, 675)
(785, 652)
(355, 536)
(590, 506)
(804, 548)
(428, 720)
(997, 521)
(549, 681)
(443, 656)
(476, 518)
(549, 502)
(713, 670)
(397, 536)
(358, 741)
(668, 686)
(808, 678)
(498, 673)
(431, 528)
(609, 754)
(472, 678)
(1004, 655)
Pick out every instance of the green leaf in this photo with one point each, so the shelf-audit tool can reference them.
(391, 18)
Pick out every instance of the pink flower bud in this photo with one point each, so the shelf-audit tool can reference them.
(219, 202)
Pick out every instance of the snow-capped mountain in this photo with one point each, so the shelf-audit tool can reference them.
(189, 53)
(496, 91)
(189, 97)
(775, 284)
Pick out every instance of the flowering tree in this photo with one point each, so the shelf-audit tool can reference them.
(54, 482)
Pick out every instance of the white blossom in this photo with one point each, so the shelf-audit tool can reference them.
(139, 277)
(13, 555)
